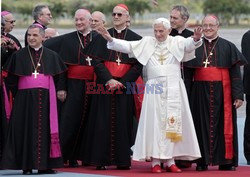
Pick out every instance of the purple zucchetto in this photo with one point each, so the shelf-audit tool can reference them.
(3, 13)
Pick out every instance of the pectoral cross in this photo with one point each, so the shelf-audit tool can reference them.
(88, 59)
(118, 60)
(35, 73)
(162, 59)
(206, 62)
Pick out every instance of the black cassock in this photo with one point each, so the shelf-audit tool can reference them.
(108, 136)
(75, 109)
(245, 43)
(206, 100)
(185, 33)
(5, 54)
(28, 140)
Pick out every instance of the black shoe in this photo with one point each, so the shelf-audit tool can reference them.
(248, 162)
(85, 164)
(48, 171)
(227, 167)
(101, 168)
(123, 167)
(183, 164)
(201, 168)
(162, 165)
(73, 163)
(27, 172)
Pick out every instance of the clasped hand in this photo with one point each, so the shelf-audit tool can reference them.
(9, 43)
(113, 84)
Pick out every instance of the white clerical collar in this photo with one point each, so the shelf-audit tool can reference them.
(36, 49)
(181, 30)
(86, 33)
(119, 31)
(210, 40)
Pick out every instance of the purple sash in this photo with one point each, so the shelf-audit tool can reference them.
(6, 102)
(42, 81)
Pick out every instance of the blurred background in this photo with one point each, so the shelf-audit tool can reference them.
(232, 13)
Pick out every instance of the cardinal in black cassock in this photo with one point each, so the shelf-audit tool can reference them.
(216, 91)
(108, 134)
(73, 48)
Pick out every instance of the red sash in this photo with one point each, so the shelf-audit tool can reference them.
(217, 74)
(119, 71)
(80, 72)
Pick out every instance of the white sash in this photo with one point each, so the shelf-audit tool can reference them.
(172, 94)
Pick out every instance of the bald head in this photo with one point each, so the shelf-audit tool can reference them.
(50, 32)
(98, 19)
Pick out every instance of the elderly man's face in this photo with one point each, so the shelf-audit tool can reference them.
(119, 17)
(210, 27)
(161, 33)
(9, 23)
(96, 21)
(49, 33)
(82, 22)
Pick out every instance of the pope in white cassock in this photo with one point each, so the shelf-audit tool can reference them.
(166, 131)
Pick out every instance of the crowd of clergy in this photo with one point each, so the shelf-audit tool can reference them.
(103, 97)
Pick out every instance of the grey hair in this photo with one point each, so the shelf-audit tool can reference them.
(163, 21)
(2, 24)
(101, 14)
(38, 11)
(87, 14)
(41, 30)
(2, 21)
(183, 11)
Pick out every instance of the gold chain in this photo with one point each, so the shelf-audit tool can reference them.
(31, 58)
(81, 40)
(119, 53)
(205, 48)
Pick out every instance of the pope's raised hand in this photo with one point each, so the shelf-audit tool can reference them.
(197, 33)
(105, 34)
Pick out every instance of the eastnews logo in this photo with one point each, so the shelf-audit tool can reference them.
(131, 88)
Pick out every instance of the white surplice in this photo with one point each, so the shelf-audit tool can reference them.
(165, 106)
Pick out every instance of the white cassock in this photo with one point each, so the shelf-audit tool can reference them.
(166, 128)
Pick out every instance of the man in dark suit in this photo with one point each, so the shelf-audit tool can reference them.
(245, 44)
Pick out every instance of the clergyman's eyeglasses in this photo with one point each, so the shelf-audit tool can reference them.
(118, 14)
(12, 21)
(205, 26)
